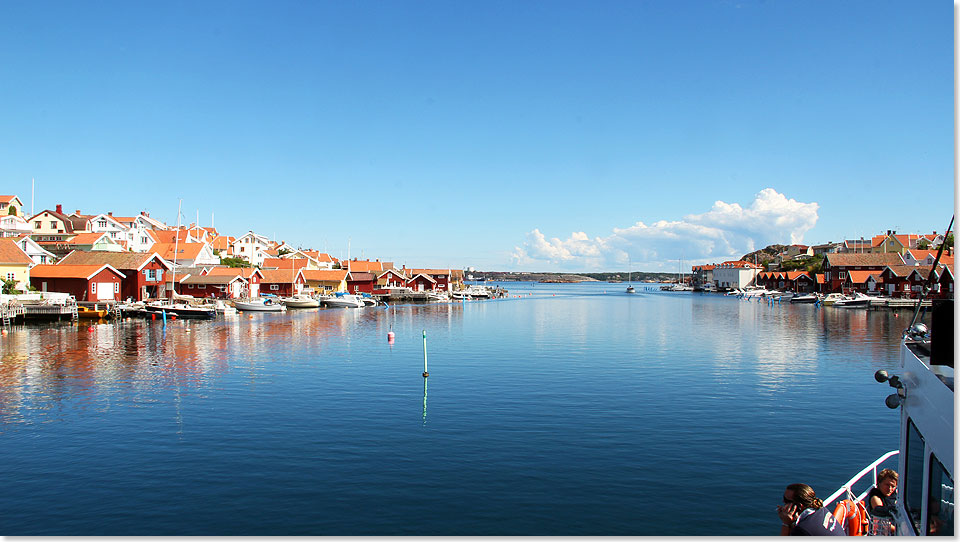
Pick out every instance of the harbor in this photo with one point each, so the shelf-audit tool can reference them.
(540, 401)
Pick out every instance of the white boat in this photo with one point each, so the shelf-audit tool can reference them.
(923, 392)
(832, 298)
(630, 288)
(261, 304)
(439, 297)
(341, 299)
(806, 298)
(856, 300)
(180, 310)
(471, 292)
(300, 301)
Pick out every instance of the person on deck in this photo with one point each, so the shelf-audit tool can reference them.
(882, 500)
(802, 513)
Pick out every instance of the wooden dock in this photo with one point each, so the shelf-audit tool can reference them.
(898, 304)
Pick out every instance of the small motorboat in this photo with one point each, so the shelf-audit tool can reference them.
(808, 298)
(341, 299)
(261, 304)
(300, 301)
(857, 300)
(180, 310)
(833, 298)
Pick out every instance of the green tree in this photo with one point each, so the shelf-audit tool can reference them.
(923, 244)
(10, 287)
(283, 251)
(234, 262)
(12, 211)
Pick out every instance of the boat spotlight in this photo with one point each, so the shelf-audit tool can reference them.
(893, 400)
(917, 331)
(881, 376)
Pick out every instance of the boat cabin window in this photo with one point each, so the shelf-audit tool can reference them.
(940, 500)
(912, 489)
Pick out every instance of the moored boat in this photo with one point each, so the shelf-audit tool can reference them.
(344, 300)
(180, 310)
(260, 304)
(300, 301)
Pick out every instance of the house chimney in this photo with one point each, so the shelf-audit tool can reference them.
(60, 208)
(888, 232)
(77, 211)
(110, 213)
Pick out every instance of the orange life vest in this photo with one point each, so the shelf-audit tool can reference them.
(852, 516)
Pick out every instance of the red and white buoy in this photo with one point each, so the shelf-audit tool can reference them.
(390, 337)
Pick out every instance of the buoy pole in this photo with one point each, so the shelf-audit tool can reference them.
(425, 373)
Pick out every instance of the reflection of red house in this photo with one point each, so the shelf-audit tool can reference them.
(358, 282)
(85, 282)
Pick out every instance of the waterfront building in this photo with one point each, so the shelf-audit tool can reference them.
(836, 266)
(326, 280)
(282, 282)
(906, 281)
(735, 274)
(251, 275)
(361, 282)
(702, 276)
(213, 286)
(446, 279)
(144, 273)
(84, 282)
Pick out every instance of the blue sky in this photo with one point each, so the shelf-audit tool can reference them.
(503, 135)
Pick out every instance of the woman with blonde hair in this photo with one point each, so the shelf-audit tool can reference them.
(802, 513)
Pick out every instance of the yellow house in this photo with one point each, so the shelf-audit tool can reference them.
(49, 226)
(894, 242)
(11, 205)
(326, 280)
(15, 264)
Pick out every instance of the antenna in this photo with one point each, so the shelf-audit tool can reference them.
(32, 181)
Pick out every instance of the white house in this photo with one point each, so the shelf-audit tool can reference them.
(36, 252)
(14, 226)
(252, 248)
(735, 274)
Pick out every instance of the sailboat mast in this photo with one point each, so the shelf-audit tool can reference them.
(176, 246)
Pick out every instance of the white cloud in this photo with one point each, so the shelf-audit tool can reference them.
(727, 230)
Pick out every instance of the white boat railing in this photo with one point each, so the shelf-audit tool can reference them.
(847, 488)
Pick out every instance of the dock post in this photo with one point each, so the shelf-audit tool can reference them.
(425, 373)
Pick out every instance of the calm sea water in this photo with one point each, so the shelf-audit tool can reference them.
(569, 410)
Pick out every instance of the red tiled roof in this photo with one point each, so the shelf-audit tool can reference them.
(860, 277)
(184, 251)
(277, 276)
(876, 259)
(325, 275)
(360, 275)
(12, 254)
(51, 271)
(245, 272)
